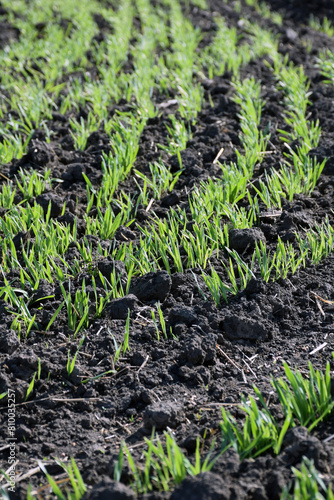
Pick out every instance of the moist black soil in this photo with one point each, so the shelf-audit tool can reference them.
(179, 383)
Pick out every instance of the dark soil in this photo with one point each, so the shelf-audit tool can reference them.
(180, 383)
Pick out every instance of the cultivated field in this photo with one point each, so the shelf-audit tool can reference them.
(166, 237)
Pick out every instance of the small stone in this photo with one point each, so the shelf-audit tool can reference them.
(291, 34)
